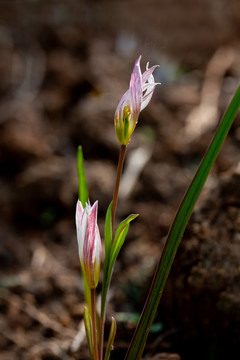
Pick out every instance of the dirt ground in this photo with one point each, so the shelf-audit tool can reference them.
(63, 68)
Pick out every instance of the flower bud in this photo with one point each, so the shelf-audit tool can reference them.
(89, 242)
(135, 99)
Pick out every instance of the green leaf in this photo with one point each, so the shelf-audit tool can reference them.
(118, 241)
(177, 229)
(88, 328)
(111, 338)
(116, 249)
(112, 250)
(121, 227)
(87, 291)
(82, 188)
(108, 232)
(108, 243)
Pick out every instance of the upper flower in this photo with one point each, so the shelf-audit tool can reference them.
(135, 99)
(89, 242)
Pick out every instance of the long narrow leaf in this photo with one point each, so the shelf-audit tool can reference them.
(111, 339)
(115, 251)
(121, 227)
(177, 229)
(108, 232)
(108, 268)
(82, 187)
(88, 328)
(118, 241)
(112, 251)
(108, 244)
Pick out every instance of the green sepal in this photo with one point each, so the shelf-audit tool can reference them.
(111, 338)
(126, 127)
(88, 329)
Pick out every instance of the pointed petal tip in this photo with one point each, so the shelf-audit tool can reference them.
(95, 204)
(94, 210)
(138, 59)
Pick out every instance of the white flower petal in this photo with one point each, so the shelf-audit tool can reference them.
(136, 90)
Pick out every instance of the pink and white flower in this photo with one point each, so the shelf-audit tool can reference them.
(135, 99)
(89, 241)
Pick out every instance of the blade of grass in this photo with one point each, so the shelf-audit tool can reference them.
(82, 187)
(111, 339)
(177, 229)
(88, 328)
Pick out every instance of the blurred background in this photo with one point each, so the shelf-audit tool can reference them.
(64, 66)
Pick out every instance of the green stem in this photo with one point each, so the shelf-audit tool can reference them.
(94, 323)
(102, 323)
(118, 178)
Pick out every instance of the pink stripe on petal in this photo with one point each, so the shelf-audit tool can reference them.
(147, 73)
(79, 216)
(92, 223)
(136, 90)
(92, 217)
(84, 223)
(124, 101)
(98, 245)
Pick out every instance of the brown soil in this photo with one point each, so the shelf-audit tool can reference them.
(63, 68)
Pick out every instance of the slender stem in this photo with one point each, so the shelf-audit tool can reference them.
(94, 324)
(118, 178)
(102, 323)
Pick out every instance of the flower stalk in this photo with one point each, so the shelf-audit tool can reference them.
(122, 154)
(94, 324)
